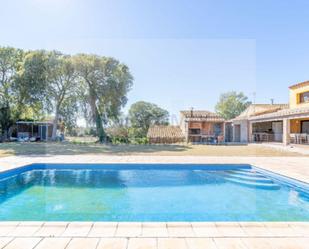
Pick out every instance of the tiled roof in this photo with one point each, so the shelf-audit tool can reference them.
(283, 113)
(301, 84)
(202, 116)
(258, 109)
(164, 131)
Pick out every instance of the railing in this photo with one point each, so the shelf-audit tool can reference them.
(203, 134)
(206, 138)
(266, 137)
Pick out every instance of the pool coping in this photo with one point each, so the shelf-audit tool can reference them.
(118, 166)
(290, 181)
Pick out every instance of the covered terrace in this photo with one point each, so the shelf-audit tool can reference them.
(289, 126)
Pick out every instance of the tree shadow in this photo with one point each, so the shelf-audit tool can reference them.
(41, 149)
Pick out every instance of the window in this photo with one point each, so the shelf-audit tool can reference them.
(304, 97)
(217, 129)
(195, 131)
(305, 127)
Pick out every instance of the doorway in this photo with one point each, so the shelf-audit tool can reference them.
(237, 133)
(277, 129)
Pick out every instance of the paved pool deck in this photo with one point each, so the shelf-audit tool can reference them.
(159, 235)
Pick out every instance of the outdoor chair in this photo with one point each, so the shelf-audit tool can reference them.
(303, 138)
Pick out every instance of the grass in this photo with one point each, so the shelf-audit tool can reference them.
(74, 148)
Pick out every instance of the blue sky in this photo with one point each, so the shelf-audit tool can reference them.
(182, 53)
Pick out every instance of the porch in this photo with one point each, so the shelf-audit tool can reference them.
(206, 138)
(270, 131)
(299, 132)
(206, 132)
(34, 131)
(285, 130)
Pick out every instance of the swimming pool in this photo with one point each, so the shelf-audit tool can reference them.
(136, 192)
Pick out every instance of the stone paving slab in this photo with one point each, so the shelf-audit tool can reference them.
(146, 230)
(154, 243)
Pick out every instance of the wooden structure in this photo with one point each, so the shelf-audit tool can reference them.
(165, 134)
(202, 126)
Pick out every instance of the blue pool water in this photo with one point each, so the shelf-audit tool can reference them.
(149, 193)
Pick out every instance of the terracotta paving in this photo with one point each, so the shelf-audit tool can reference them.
(160, 235)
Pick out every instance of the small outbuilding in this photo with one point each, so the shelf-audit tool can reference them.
(165, 134)
(201, 126)
(34, 130)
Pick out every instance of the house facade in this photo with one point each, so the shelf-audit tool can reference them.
(195, 127)
(282, 124)
(279, 123)
(240, 124)
(202, 126)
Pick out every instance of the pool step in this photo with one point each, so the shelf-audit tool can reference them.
(261, 185)
(246, 173)
(304, 196)
(250, 178)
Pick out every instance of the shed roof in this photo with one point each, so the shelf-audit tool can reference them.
(165, 131)
(35, 122)
(201, 115)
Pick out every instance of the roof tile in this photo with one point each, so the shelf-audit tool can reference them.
(301, 84)
(165, 131)
(199, 115)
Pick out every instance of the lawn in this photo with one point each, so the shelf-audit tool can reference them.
(70, 148)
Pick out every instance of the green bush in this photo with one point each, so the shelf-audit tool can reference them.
(139, 140)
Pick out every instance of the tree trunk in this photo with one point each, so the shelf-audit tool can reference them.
(99, 125)
(55, 124)
(5, 121)
(97, 117)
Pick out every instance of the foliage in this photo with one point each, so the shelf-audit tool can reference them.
(118, 130)
(106, 82)
(118, 135)
(34, 84)
(231, 104)
(32, 79)
(61, 89)
(142, 115)
(10, 96)
(39, 84)
(139, 140)
(68, 113)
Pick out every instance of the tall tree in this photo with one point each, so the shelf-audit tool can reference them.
(107, 82)
(61, 87)
(69, 112)
(231, 104)
(32, 84)
(10, 60)
(144, 114)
